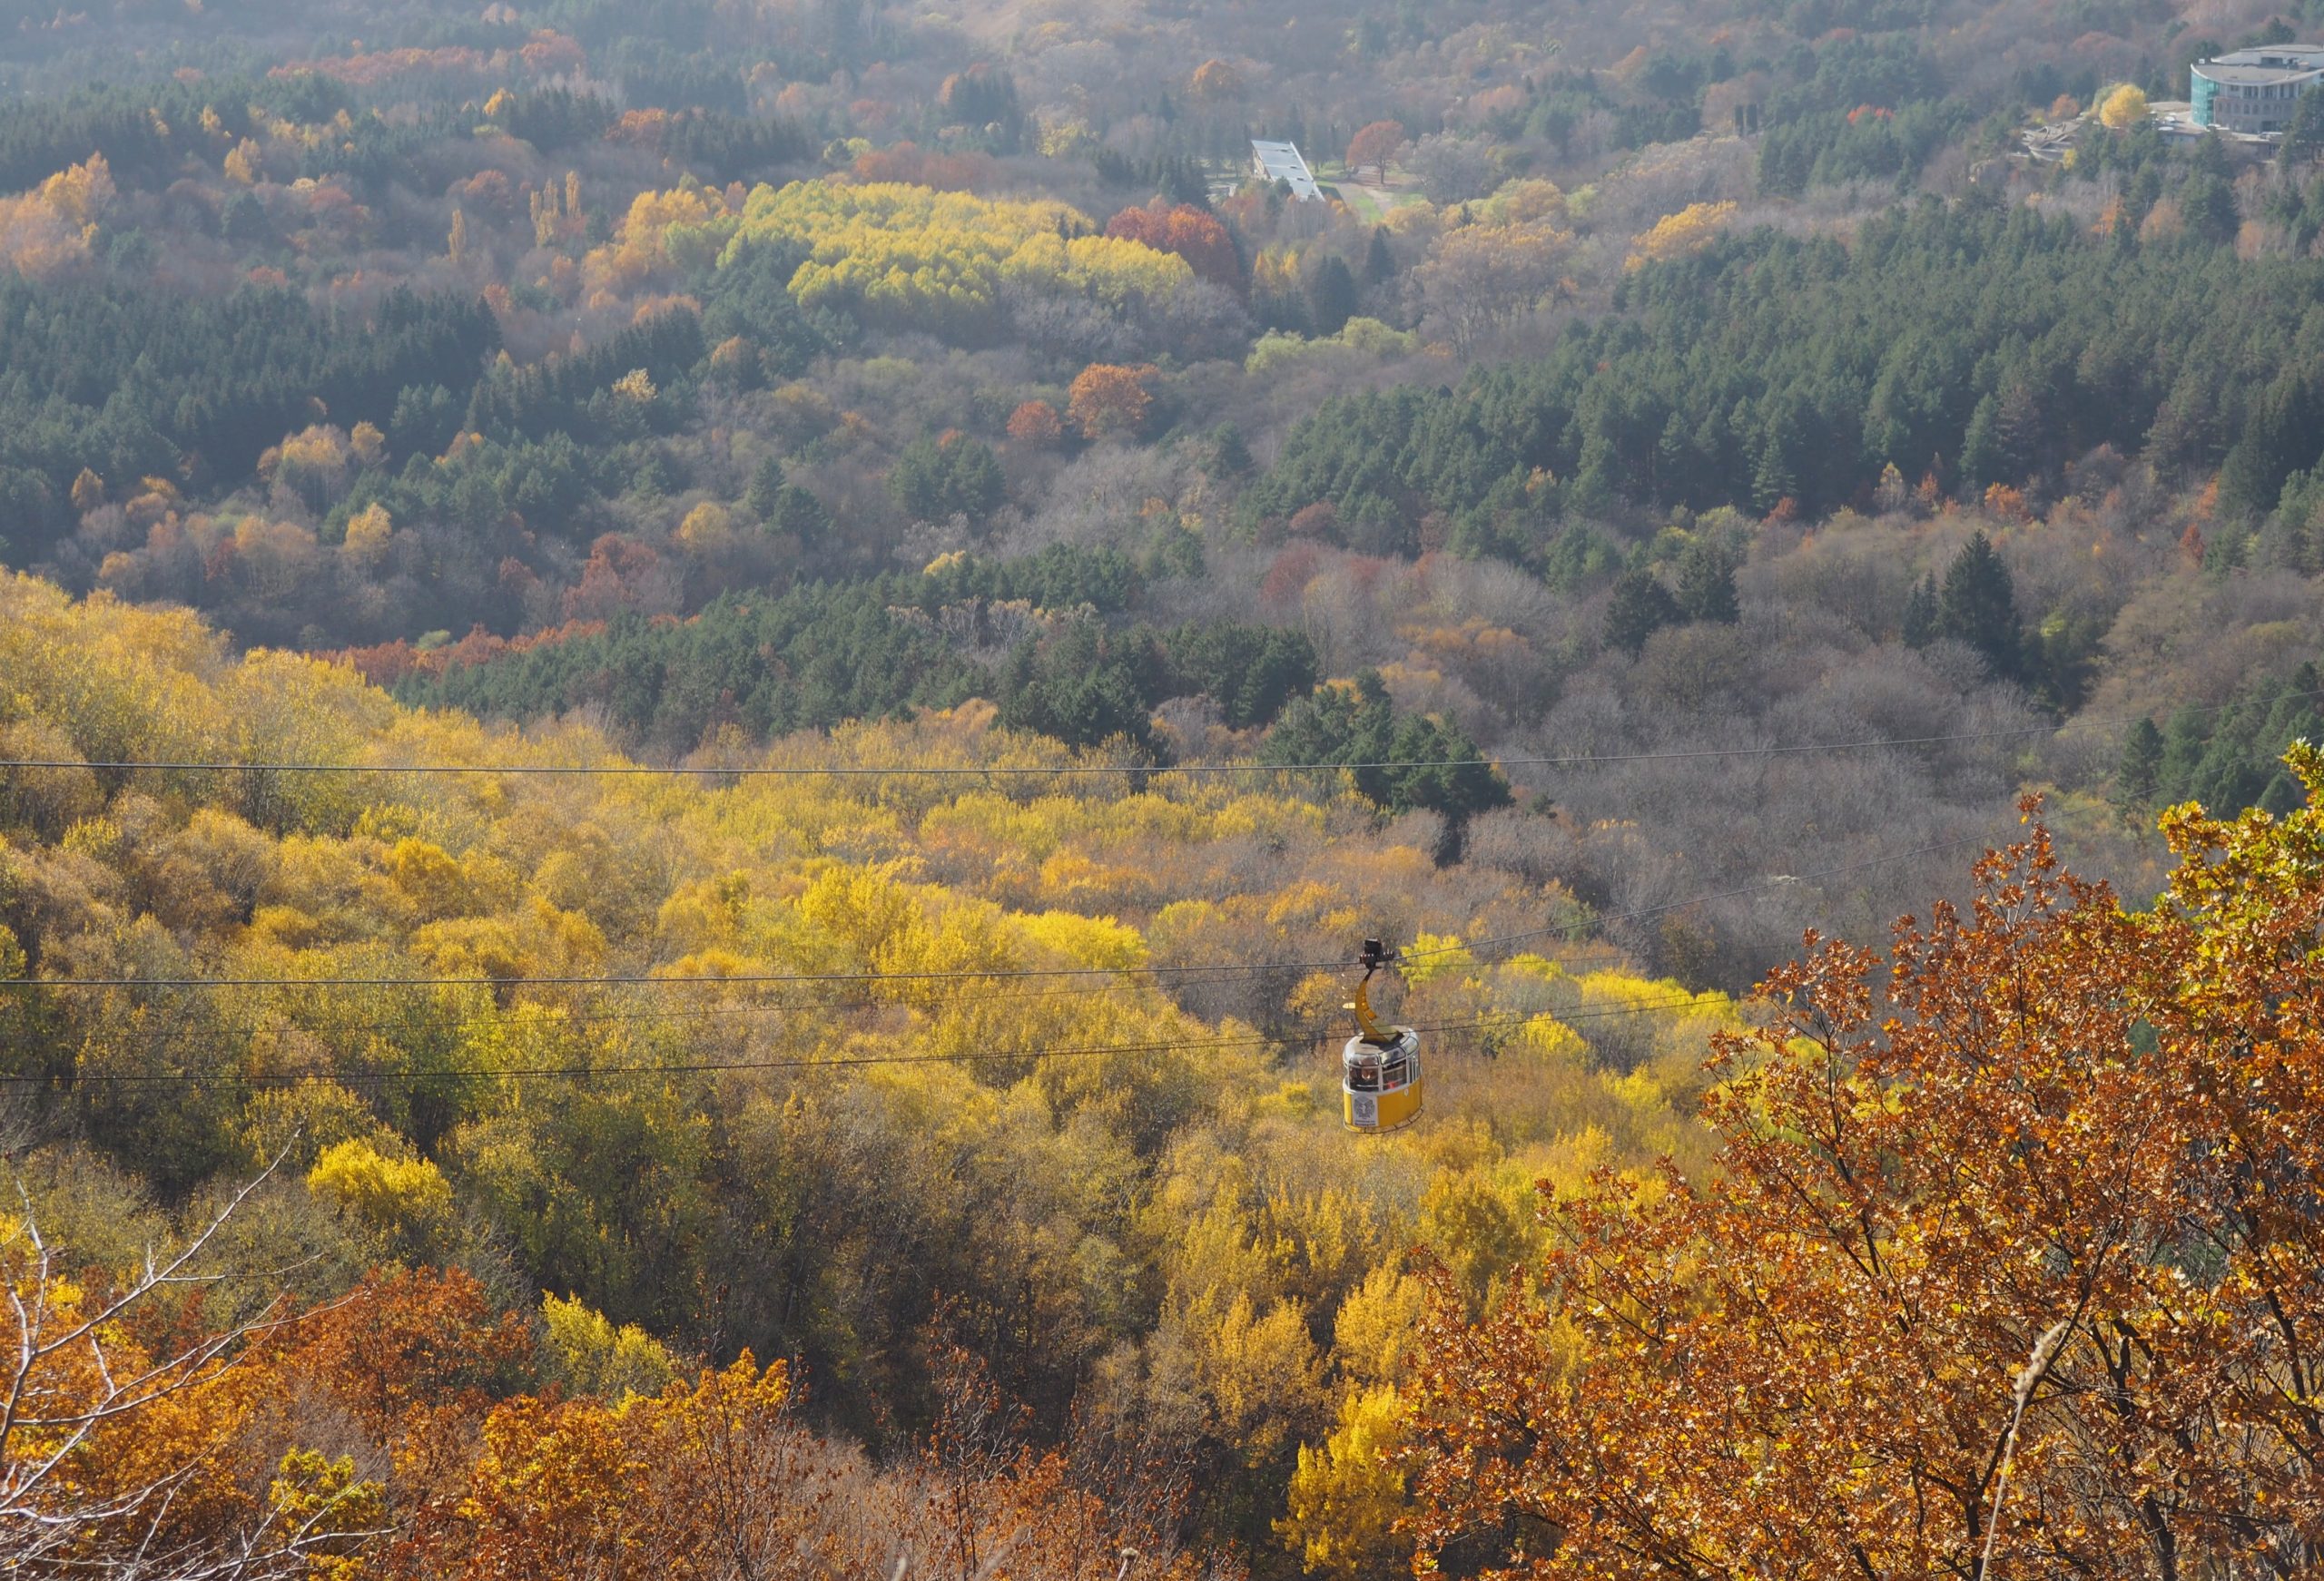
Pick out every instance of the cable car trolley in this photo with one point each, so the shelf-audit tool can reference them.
(1380, 1076)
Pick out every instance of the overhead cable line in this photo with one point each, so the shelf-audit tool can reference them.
(956, 771)
(698, 1067)
(994, 974)
(1774, 881)
(680, 1067)
(327, 1026)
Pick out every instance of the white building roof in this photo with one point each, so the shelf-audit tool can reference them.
(2269, 64)
(1282, 162)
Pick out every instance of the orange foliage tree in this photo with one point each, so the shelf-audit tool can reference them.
(1192, 233)
(2011, 1265)
(1376, 145)
(1214, 80)
(136, 1442)
(130, 1428)
(404, 1346)
(907, 161)
(1106, 400)
(1035, 423)
(715, 1478)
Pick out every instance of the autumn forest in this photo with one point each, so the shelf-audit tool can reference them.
(702, 703)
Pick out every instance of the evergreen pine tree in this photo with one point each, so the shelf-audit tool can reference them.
(1920, 612)
(1674, 460)
(2278, 438)
(765, 489)
(1229, 456)
(1975, 606)
(1982, 461)
(800, 514)
(2284, 795)
(2140, 777)
(1079, 687)
(977, 484)
(1380, 263)
(2304, 140)
(1775, 479)
(2207, 203)
(935, 478)
(1373, 738)
(1641, 607)
(1331, 297)
(1707, 583)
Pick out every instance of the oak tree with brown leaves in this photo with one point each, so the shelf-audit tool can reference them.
(2012, 1264)
(1107, 401)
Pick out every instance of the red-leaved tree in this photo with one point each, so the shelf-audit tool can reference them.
(1376, 146)
(1192, 233)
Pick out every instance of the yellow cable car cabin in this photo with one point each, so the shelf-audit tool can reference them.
(1380, 1066)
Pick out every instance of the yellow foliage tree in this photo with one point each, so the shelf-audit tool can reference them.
(663, 233)
(707, 529)
(1377, 1326)
(2122, 108)
(1480, 278)
(571, 1489)
(599, 1359)
(912, 257)
(1690, 229)
(80, 194)
(403, 1198)
(1260, 1370)
(1346, 1496)
(50, 228)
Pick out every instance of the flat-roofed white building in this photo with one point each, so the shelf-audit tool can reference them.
(2254, 91)
(1282, 162)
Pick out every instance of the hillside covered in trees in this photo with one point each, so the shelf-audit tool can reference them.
(699, 705)
(1002, 1081)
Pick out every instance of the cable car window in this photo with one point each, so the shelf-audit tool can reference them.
(1393, 1075)
(1364, 1078)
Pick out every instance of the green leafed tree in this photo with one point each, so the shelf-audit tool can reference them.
(1641, 607)
(1707, 583)
(1331, 296)
(1976, 606)
(1920, 613)
(1081, 686)
(1411, 760)
(766, 488)
(2140, 776)
(936, 477)
(800, 514)
(2304, 139)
